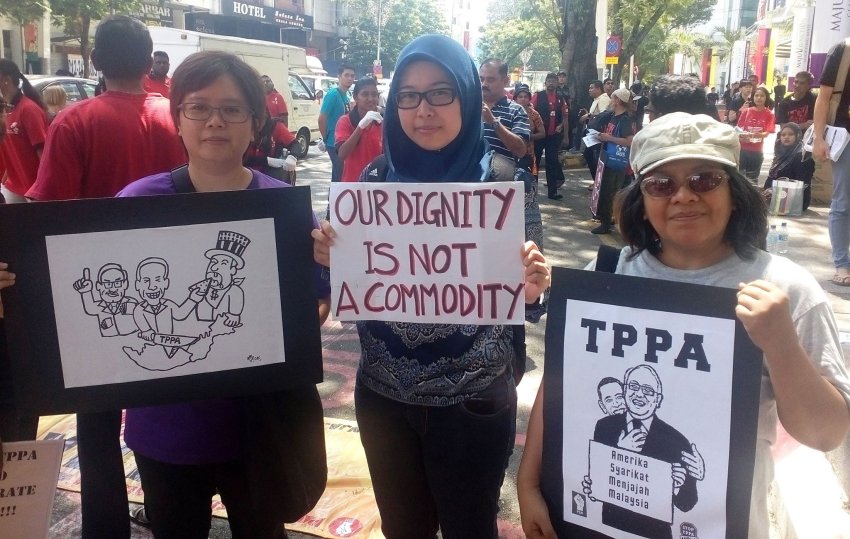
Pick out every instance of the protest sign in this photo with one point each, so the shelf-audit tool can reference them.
(132, 302)
(431, 253)
(27, 487)
(650, 408)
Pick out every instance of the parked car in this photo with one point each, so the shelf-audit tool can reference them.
(76, 88)
(319, 82)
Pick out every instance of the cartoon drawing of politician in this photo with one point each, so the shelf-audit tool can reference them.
(639, 429)
(611, 400)
(221, 291)
(114, 310)
(155, 315)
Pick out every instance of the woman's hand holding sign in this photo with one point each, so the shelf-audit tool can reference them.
(323, 239)
(538, 274)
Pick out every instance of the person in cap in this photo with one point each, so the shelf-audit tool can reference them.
(691, 216)
(613, 169)
(537, 129)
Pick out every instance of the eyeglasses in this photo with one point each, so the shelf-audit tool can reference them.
(201, 112)
(113, 284)
(439, 97)
(646, 390)
(657, 186)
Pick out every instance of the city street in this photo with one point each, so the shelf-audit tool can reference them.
(810, 489)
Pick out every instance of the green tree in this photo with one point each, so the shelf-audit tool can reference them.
(725, 44)
(22, 12)
(402, 21)
(506, 39)
(634, 21)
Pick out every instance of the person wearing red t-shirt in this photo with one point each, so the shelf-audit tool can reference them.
(158, 81)
(26, 130)
(275, 103)
(358, 134)
(94, 149)
(555, 113)
(756, 122)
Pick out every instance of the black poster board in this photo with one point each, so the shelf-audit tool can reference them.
(603, 326)
(272, 309)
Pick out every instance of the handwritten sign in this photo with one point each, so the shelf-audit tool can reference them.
(631, 481)
(430, 253)
(27, 487)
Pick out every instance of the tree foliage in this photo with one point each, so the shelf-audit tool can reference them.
(22, 12)
(403, 21)
(634, 21)
(506, 39)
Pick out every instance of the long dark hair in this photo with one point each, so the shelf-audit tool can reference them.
(9, 68)
(361, 84)
(745, 231)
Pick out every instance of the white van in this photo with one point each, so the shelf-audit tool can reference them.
(273, 59)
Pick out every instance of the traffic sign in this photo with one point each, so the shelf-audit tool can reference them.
(613, 46)
(612, 60)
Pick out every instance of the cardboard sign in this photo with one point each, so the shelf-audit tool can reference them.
(650, 409)
(27, 487)
(132, 302)
(431, 253)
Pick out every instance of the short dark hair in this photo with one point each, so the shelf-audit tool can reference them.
(677, 93)
(343, 67)
(745, 231)
(498, 64)
(201, 69)
(745, 82)
(160, 53)
(606, 81)
(562, 73)
(551, 76)
(363, 83)
(597, 83)
(604, 382)
(806, 75)
(122, 48)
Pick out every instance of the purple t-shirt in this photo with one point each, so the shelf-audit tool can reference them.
(201, 432)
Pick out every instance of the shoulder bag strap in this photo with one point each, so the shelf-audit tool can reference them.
(607, 258)
(840, 82)
(181, 180)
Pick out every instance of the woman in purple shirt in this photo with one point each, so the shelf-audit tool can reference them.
(187, 452)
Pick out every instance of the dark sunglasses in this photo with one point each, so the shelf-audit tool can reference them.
(658, 186)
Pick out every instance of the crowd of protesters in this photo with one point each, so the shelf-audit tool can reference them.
(436, 403)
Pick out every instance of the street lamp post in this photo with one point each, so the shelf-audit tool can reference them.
(380, 21)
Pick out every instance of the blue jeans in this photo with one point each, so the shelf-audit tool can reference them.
(839, 211)
(438, 466)
(336, 164)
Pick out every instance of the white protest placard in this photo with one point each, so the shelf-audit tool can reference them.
(27, 487)
(444, 253)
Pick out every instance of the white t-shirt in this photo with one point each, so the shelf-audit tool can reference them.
(816, 329)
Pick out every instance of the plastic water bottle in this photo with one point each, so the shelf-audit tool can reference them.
(782, 243)
(772, 239)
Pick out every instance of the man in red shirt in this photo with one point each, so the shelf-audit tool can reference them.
(94, 149)
(275, 102)
(158, 81)
(555, 113)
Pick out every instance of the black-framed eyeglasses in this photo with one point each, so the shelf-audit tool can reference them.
(113, 284)
(438, 97)
(646, 390)
(201, 112)
(6, 108)
(659, 186)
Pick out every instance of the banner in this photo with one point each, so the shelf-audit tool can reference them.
(27, 487)
(129, 302)
(832, 24)
(432, 253)
(651, 408)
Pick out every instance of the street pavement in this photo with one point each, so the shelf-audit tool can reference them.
(811, 486)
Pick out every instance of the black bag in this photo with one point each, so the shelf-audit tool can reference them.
(283, 439)
(285, 460)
